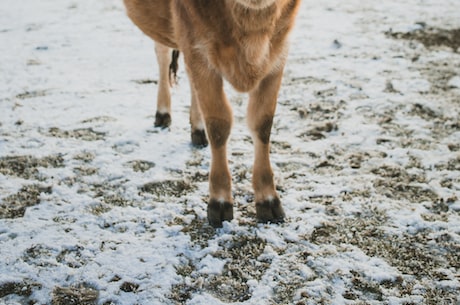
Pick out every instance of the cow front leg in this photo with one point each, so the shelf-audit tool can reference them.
(163, 113)
(261, 109)
(217, 116)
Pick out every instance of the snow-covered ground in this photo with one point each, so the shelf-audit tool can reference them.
(99, 207)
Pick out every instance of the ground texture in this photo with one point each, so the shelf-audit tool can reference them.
(99, 207)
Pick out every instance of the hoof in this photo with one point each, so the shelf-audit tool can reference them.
(162, 120)
(270, 211)
(199, 138)
(218, 212)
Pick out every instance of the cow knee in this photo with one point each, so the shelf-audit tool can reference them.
(218, 131)
(263, 129)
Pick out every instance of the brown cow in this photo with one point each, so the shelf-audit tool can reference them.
(243, 42)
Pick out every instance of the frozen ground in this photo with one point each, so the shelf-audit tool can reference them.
(99, 207)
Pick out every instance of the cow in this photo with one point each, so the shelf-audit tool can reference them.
(244, 42)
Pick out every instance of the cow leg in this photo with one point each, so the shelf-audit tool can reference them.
(217, 116)
(198, 134)
(163, 113)
(261, 109)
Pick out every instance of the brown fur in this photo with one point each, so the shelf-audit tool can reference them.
(243, 42)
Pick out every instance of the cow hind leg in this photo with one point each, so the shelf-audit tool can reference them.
(163, 113)
(168, 65)
(198, 133)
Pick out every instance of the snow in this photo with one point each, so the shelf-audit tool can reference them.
(211, 265)
(76, 65)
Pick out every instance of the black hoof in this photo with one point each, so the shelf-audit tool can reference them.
(270, 211)
(162, 120)
(218, 212)
(199, 138)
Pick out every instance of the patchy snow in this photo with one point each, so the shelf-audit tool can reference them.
(96, 203)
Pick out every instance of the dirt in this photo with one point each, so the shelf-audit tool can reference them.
(79, 295)
(86, 134)
(173, 188)
(242, 254)
(20, 288)
(140, 165)
(27, 167)
(15, 205)
(431, 36)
